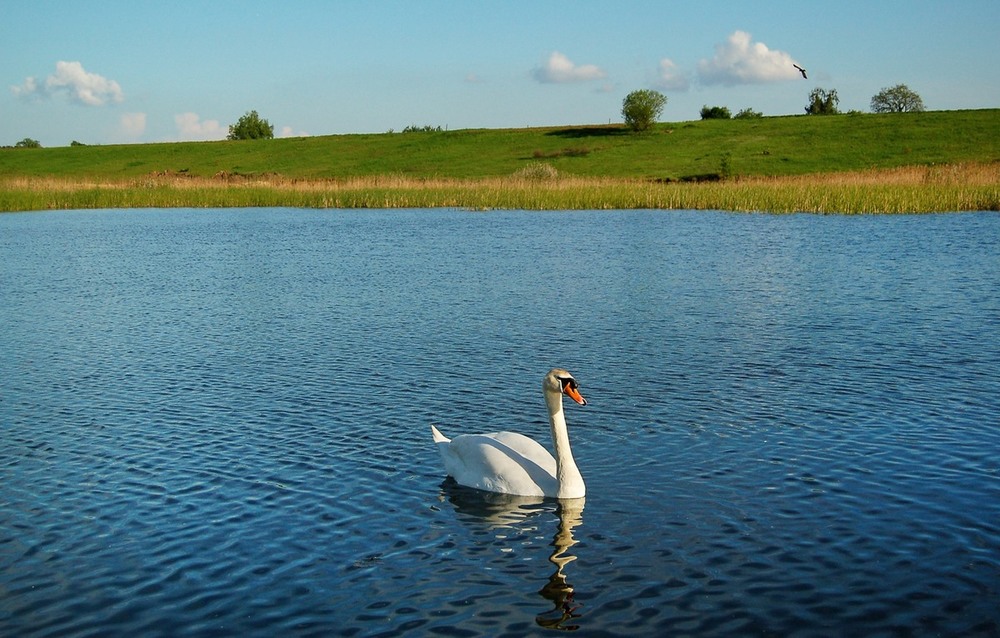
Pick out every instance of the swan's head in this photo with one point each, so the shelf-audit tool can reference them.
(560, 381)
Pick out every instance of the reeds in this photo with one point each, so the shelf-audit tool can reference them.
(954, 187)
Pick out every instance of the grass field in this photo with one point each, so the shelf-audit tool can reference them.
(944, 160)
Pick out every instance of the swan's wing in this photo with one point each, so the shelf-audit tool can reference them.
(527, 447)
(504, 462)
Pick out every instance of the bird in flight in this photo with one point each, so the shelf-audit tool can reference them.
(801, 70)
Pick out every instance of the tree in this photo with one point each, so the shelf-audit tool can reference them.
(748, 114)
(642, 108)
(715, 113)
(897, 99)
(823, 102)
(251, 127)
(28, 143)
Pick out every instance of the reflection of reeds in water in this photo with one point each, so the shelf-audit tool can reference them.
(902, 190)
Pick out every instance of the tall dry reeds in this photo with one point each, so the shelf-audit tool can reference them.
(919, 189)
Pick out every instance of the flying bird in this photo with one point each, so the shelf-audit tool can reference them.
(801, 70)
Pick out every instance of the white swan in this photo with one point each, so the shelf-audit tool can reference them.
(512, 463)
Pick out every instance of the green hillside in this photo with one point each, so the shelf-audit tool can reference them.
(792, 145)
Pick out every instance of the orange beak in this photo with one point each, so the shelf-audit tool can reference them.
(574, 394)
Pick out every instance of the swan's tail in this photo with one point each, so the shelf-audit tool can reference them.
(438, 437)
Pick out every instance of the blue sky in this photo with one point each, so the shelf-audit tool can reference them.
(141, 71)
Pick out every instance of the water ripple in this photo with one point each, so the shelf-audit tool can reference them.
(216, 423)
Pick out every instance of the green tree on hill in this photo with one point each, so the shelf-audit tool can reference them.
(748, 114)
(823, 102)
(715, 113)
(642, 108)
(251, 127)
(28, 143)
(897, 99)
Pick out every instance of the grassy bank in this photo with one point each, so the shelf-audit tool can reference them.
(904, 190)
(942, 160)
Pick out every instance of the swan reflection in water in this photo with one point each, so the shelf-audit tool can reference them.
(500, 511)
(558, 590)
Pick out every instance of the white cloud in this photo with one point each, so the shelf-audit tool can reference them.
(288, 131)
(559, 69)
(739, 60)
(671, 78)
(132, 125)
(77, 84)
(29, 89)
(191, 127)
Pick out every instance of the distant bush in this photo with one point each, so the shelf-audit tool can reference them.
(538, 171)
(897, 99)
(422, 129)
(715, 113)
(75, 143)
(642, 108)
(748, 114)
(28, 143)
(726, 166)
(251, 127)
(823, 102)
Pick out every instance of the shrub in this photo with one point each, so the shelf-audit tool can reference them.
(897, 99)
(251, 127)
(726, 166)
(28, 143)
(715, 113)
(538, 171)
(641, 108)
(748, 114)
(823, 102)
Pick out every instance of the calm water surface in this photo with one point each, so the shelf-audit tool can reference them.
(216, 423)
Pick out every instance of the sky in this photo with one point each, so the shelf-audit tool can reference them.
(139, 71)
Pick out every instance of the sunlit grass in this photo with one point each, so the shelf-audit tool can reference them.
(774, 146)
(858, 163)
(954, 187)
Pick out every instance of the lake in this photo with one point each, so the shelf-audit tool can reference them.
(217, 422)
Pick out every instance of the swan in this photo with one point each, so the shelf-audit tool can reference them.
(511, 463)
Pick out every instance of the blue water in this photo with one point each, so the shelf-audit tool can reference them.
(216, 422)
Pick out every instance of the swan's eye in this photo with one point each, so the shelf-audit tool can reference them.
(569, 383)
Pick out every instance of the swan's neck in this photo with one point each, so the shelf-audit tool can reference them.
(567, 473)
